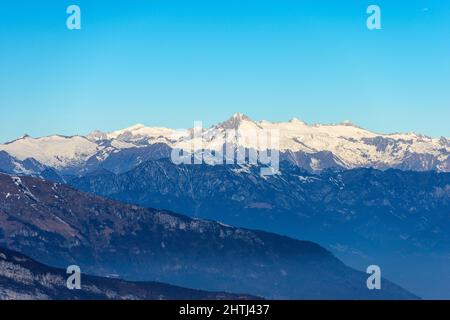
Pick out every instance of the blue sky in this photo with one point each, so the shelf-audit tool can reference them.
(168, 63)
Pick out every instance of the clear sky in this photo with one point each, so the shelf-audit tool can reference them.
(168, 63)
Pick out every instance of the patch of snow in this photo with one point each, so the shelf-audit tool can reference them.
(22, 188)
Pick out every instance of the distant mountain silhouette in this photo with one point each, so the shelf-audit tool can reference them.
(60, 226)
(22, 278)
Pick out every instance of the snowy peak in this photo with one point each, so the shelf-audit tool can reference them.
(237, 121)
(348, 123)
(296, 120)
(139, 131)
(240, 116)
(97, 135)
(55, 151)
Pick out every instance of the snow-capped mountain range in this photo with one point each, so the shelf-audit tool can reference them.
(313, 147)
